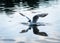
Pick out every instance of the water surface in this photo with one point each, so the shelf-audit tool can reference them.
(10, 20)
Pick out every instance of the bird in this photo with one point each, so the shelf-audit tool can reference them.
(33, 24)
(35, 18)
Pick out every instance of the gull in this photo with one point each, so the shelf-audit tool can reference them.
(33, 24)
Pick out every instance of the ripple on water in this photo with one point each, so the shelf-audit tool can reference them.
(7, 40)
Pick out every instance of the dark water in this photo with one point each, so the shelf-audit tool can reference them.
(10, 20)
(9, 6)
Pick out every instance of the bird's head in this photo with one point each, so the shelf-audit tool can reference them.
(29, 21)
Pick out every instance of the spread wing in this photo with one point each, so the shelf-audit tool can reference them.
(25, 16)
(35, 18)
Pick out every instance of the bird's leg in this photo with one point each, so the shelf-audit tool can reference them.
(23, 31)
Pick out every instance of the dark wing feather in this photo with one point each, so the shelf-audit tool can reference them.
(35, 18)
(25, 16)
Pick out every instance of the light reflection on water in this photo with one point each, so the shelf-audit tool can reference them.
(10, 26)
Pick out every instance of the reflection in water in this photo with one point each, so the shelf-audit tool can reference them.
(7, 40)
(9, 3)
(33, 3)
(9, 11)
(20, 3)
